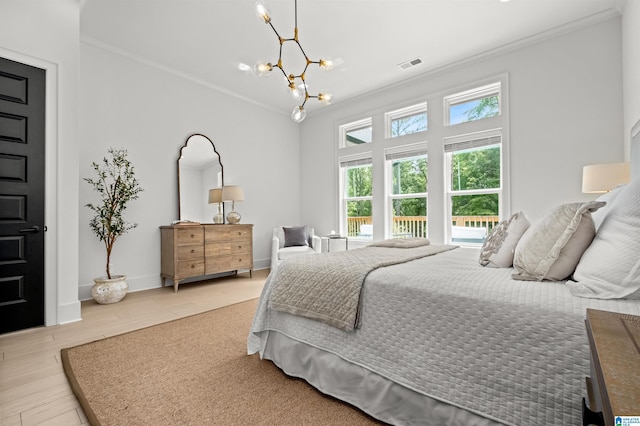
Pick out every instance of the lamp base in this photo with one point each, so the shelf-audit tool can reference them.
(218, 219)
(233, 218)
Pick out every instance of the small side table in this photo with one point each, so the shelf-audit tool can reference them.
(332, 237)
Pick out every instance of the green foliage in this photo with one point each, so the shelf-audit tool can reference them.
(410, 177)
(476, 169)
(116, 185)
(487, 107)
(472, 169)
(360, 184)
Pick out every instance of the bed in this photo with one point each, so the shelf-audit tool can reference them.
(476, 346)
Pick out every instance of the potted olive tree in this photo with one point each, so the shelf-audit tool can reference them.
(116, 185)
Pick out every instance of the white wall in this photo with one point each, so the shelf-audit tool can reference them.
(565, 111)
(45, 34)
(151, 112)
(631, 67)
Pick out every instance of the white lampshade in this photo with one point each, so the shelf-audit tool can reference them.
(232, 193)
(599, 178)
(215, 195)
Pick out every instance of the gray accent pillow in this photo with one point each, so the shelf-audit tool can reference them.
(295, 236)
(552, 247)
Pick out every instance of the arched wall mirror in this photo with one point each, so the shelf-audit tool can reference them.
(199, 170)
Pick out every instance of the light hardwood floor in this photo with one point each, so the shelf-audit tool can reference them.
(33, 387)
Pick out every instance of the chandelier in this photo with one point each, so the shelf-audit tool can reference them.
(300, 90)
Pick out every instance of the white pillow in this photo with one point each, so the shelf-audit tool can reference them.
(610, 268)
(598, 216)
(499, 247)
(551, 249)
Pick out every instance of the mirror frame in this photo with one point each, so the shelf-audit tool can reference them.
(178, 167)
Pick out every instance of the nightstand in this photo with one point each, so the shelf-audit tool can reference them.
(614, 386)
(333, 237)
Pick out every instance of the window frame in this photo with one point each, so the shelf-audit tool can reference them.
(476, 93)
(407, 152)
(352, 126)
(344, 163)
(391, 116)
(466, 142)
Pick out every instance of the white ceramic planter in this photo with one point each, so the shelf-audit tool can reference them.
(106, 290)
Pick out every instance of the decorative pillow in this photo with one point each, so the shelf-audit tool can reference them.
(295, 236)
(610, 267)
(551, 249)
(598, 216)
(499, 247)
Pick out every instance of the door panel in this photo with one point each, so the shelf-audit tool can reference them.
(22, 119)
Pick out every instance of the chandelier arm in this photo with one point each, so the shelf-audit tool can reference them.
(274, 30)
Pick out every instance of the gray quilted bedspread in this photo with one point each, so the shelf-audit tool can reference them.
(327, 286)
(514, 352)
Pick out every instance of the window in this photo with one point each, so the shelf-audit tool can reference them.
(384, 189)
(356, 133)
(476, 104)
(474, 185)
(407, 192)
(357, 196)
(406, 121)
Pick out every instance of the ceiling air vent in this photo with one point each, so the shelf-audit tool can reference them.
(409, 64)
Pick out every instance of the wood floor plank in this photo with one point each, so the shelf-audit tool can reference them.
(61, 411)
(33, 387)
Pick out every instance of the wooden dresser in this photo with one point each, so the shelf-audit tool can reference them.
(614, 386)
(189, 251)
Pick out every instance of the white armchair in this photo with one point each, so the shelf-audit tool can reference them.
(279, 252)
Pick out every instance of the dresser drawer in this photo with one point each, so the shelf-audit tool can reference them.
(241, 246)
(241, 261)
(191, 251)
(190, 268)
(190, 235)
(228, 263)
(221, 248)
(217, 233)
(241, 233)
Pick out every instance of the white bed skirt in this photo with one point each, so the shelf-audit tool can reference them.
(375, 395)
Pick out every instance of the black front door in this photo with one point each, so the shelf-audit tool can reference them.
(22, 115)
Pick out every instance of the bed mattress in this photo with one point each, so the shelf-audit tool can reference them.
(443, 326)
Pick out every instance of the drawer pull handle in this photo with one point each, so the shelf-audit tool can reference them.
(193, 266)
(193, 235)
(193, 251)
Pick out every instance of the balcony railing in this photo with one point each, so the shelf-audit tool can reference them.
(416, 226)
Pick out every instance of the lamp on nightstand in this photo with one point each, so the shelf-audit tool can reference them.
(233, 193)
(215, 197)
(601, 178)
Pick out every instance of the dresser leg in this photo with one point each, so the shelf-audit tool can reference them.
(176, 283)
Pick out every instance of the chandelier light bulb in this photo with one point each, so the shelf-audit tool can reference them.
(298, 114)
(325, 98)
(263, 12)
(295, 91)
(326, 64)
(263, 69)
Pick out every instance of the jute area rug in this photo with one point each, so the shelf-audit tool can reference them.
(194, 371)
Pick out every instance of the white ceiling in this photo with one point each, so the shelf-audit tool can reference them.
(206, 40)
